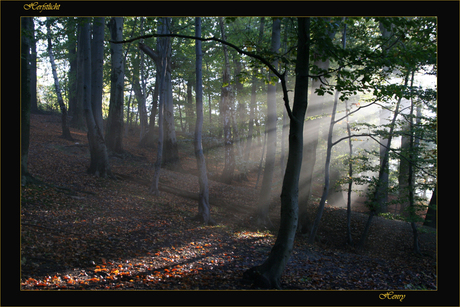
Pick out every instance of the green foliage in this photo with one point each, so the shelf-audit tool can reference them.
(391, 216)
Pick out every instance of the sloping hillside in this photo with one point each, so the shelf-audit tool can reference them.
(83, 232)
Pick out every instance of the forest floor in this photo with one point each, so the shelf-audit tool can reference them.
(83, 232)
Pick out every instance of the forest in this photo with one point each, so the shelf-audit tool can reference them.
(220, 153)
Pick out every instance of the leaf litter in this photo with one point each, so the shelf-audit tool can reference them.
(79, 232)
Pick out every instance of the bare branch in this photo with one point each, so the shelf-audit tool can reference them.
(349, 137)
(367, 105)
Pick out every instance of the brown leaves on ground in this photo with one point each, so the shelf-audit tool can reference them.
(82, 232)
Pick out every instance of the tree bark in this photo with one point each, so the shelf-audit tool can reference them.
(411, 175)
(114, 134)
(204, 211)
(268, 274)
(350, 169)
(97, 65)
(225, 105)
(143, 93)
(99, 159)
(65, 128)
(170, 148)
(73, 61)
(316, 107)
(33, 70)
(156, 175)
(25, 98)
(78, 117)
(263, 218)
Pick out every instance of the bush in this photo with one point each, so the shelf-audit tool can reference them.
(392, 216)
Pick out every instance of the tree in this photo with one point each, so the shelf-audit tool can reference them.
(78, 117)
(315, 110)
(170, 149)
(225, 109)
(430, 219)
(263, 218)
(156, 175)
(254, 86)
(71, 46)
(140, 90)
(99, 159)
(33, 71)
(65, 128)
(26, 22)
(161, 60)
(379, 191)
(324, 196)
(114, 133)
(350, 164)
(411, 173)
(268, 274)
(204, 214)
(97, 63)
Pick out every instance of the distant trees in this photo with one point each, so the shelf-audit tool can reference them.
(63, 108)
(381, 69)
(226, 104)
(263, 218)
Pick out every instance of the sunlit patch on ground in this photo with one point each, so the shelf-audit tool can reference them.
(82, 232)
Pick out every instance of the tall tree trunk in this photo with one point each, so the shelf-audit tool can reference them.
(411, 175)
(73, 61)
(263, 218)
(114, 134)
(25, 98)
(163, 66)
(226, 103)
(383, 185)
(33, 71)
(268, 274)
(143, 97)
(350, 167)
(285, 126)
(204, 212)
(78, 117)
(99, 159)
(239, 117)
(316, 107)
(65, 128)
(170, 148)
(97, 65)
